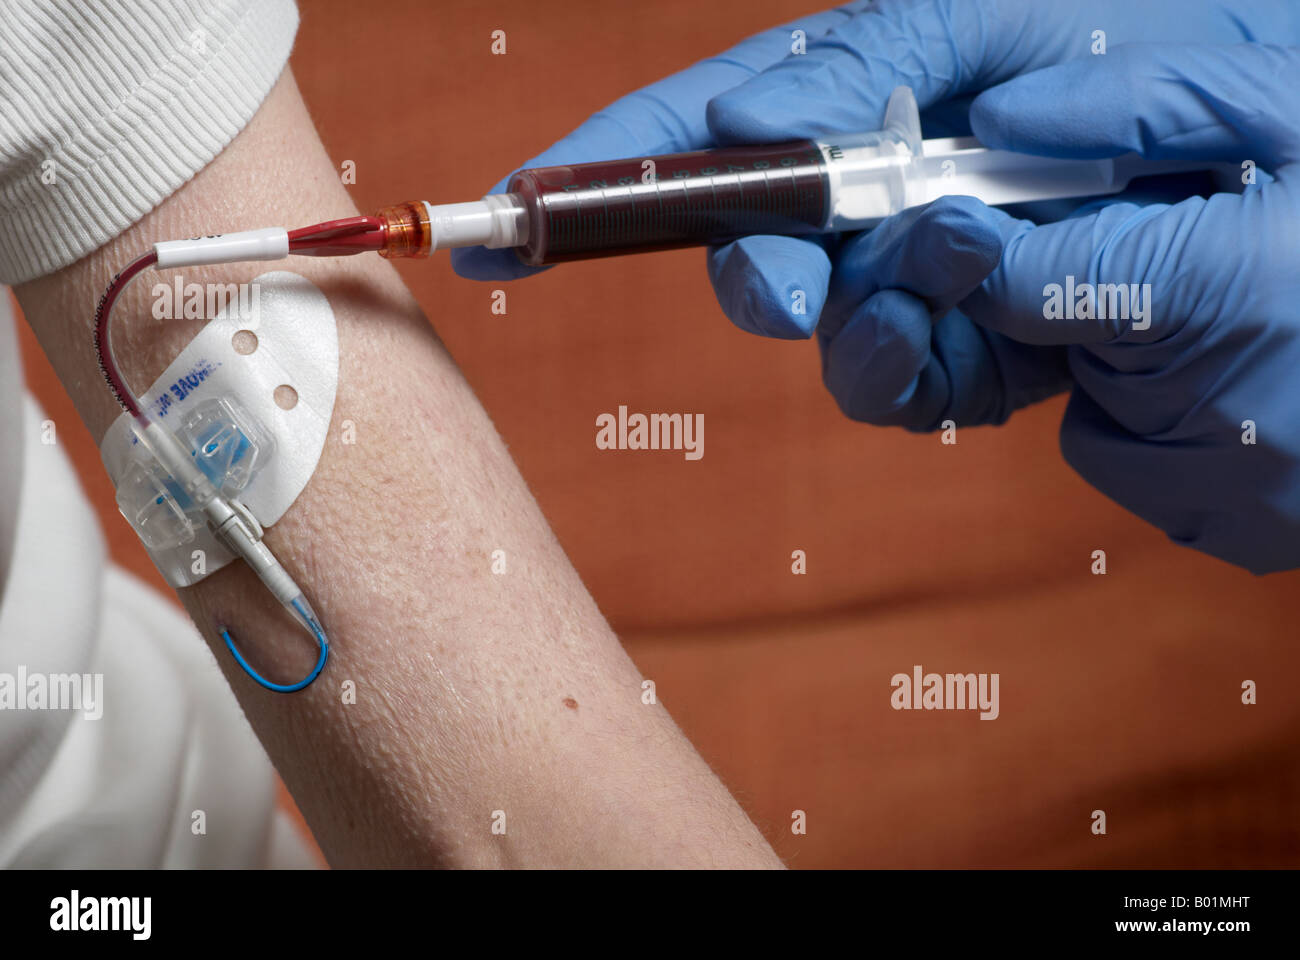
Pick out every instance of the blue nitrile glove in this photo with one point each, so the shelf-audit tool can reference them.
(893, 351)
(1210, 357)
(855, 57)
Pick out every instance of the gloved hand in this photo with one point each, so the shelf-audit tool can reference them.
(892, 350)
(972, 375)
(1167, 394)
(906, 360)
(885, 361)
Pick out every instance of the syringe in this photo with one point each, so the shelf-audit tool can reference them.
(830, 185)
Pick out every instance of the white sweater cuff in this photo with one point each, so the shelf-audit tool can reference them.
(107, 109)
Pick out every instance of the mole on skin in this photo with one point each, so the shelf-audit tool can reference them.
(570, 703)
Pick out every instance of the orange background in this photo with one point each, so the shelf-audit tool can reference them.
(1118, 692)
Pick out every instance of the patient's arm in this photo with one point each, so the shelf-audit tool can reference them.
(475, 693)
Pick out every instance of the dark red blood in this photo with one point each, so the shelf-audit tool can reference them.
(703, 197)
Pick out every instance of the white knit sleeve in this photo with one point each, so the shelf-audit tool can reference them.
(107, 108)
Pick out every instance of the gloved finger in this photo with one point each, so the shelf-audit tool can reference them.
(665, 117)
(873, 365)
(1139, 274)
(889, 287)
(776, 286)
(939, 252)
(941, 48)
(967, 375)
(1164, 101)
(771, 286)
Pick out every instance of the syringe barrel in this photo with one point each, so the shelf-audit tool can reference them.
(676, 200)
(838, 183)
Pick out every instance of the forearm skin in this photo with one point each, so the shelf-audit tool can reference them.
(461, 676)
